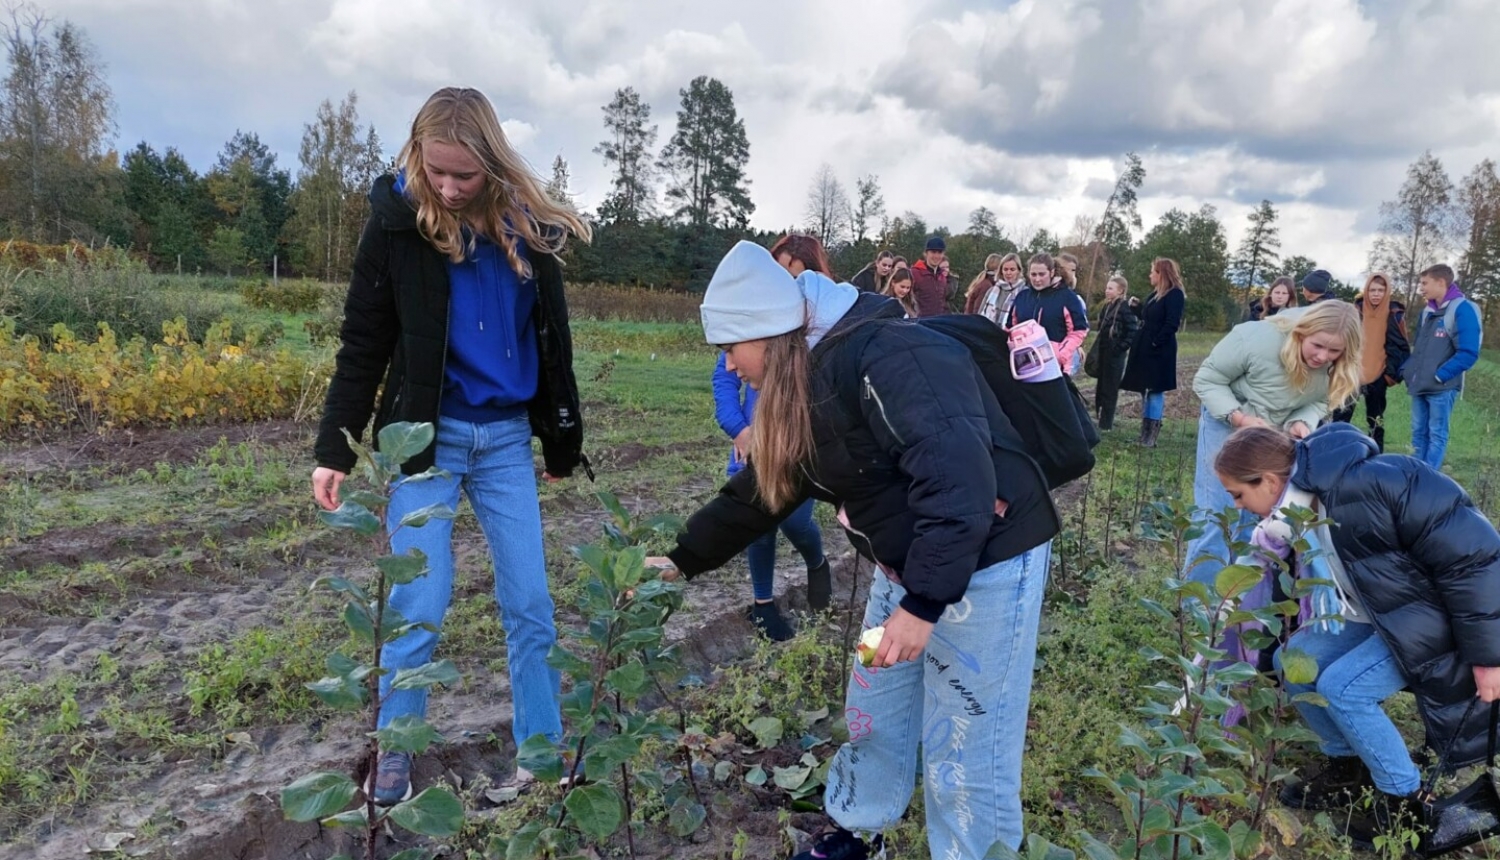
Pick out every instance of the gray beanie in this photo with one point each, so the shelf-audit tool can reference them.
(751, 297)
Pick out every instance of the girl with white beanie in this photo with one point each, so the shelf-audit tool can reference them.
(892, 423)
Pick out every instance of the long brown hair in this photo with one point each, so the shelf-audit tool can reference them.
(513, 202)
(1291, 295)
(981, 284)
(1253, 452)
(1168, 276)
(909, 301)
(806, 250)
(1338, 318)
(782, 443)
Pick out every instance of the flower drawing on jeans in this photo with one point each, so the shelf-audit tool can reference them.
(861, 724)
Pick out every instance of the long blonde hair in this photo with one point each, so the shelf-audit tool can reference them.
(782, 442)
(513, 202)
(1337, 318)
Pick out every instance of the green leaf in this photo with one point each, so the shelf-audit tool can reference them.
(791, 778)
(685, 817)
(526, 844)
(593, 556)
(364, 498)
(1298, 667)
(540, 756)
(756, 776)
(596, 809)
(1236, 579)
(1311, 699)
(427, 675)
(340, 584)
(405, 439)
(402, 569)
(629, 679)
(356, 518)
(435, 812)
(341, 692)
(422, 516)
(408, 734)
(723, 770)
(317, 796)
(568, 663)
(768, 731)
(411, 854)
(604, 757)
(1096, 850)
(360, 622)
(358, 817)
(612, 504)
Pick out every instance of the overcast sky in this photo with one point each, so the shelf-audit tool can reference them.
(1024, 107)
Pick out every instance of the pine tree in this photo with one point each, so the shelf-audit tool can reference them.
(982, 224)
(557, 187)
(1260, 250)
(628, 150)
(706, 158)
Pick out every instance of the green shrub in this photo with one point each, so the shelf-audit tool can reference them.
(300, 296)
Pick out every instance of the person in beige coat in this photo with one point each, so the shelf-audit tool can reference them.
(1288, 371)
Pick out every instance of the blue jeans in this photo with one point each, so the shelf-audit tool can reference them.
(1429, 426)
(800, 529)
(1210, 496)
(1356, 672)
(492, 465)
(1154, 405)
(964, 703)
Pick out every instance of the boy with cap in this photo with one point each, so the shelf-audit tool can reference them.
(929, 279)
(1317, 286)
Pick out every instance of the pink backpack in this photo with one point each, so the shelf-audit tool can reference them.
(1032, 358)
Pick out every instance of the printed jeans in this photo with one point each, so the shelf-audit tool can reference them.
(492, 465)
(964, 703)
(1210, 495)
(804, 534)
(1356, 672)
(1429, 426)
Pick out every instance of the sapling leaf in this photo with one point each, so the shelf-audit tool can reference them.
(604, 757)
(422, 516)
(768, 731)
(317, 796)
(340, 692)
(430, 475)
(435, 812)
(356, 518)
(756, 776)
(360, 622)
(629, 680)
(566, 662)
(612, 504)
(593, 556)
(342, 585)
(596, 809)
(1096, 850)
(364, 498)
(1298, 667)
(526, 843)
(392, 633)
(540, 756)
(427, 675)
(405, 568)
(359, 816)
(411, 854)
(404, 440)
(1236, 579)
(685, 817)
(408, 734)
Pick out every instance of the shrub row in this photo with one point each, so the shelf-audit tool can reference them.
(109, 383)
(27, 255)
(301, 296)
(597, 301)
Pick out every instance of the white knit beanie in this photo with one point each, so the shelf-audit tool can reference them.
(751, 297)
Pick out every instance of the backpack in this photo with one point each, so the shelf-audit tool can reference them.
(1050, 417)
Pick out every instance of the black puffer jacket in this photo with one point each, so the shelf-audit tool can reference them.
(912, 444)
(1424, 561)
(396, 330)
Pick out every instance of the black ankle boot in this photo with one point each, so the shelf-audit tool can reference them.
(1342, 781)
(1145, 431)
(819, 587)
(768, 620)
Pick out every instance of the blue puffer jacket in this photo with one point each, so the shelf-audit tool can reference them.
(1424, 561)
(734, 408)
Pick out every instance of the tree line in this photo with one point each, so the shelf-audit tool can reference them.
(670, 213)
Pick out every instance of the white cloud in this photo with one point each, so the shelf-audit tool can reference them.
(1023, 107)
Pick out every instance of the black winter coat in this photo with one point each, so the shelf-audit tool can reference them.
(912, 444)
(1424, 561)
(1153, 357)
(396, 330)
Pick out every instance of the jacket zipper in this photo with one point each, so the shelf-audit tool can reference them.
(872, 394)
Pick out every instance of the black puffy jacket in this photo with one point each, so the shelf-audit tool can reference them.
(1424, 561)
(396, 330)
(911, 443)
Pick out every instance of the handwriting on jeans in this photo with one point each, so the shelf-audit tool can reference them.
(842, 782)
(948, 774)
(972, 707)
(937, 664)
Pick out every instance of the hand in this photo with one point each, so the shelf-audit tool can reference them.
(326, 484)
(905, 639)
(742, 445)
(1487, 679)
(669, 571)
(1245, 420)
(1298, 429)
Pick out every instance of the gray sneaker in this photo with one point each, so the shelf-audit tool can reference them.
(392, 779)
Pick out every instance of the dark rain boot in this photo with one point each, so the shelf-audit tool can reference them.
(1395, 817)
(768, 620)
(819, 587)
(1153, 430)
(1145, 431)
(1342, 781)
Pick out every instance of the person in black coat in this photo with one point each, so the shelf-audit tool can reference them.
(1416, 570)
(456, 315)
(1118, 324)
(1152, 366)
(935, 490)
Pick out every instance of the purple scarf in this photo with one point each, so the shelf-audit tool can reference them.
(1453, 293)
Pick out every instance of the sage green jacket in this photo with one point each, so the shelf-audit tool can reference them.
(1244, 372)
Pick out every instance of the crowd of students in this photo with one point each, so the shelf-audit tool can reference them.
(827, 392)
